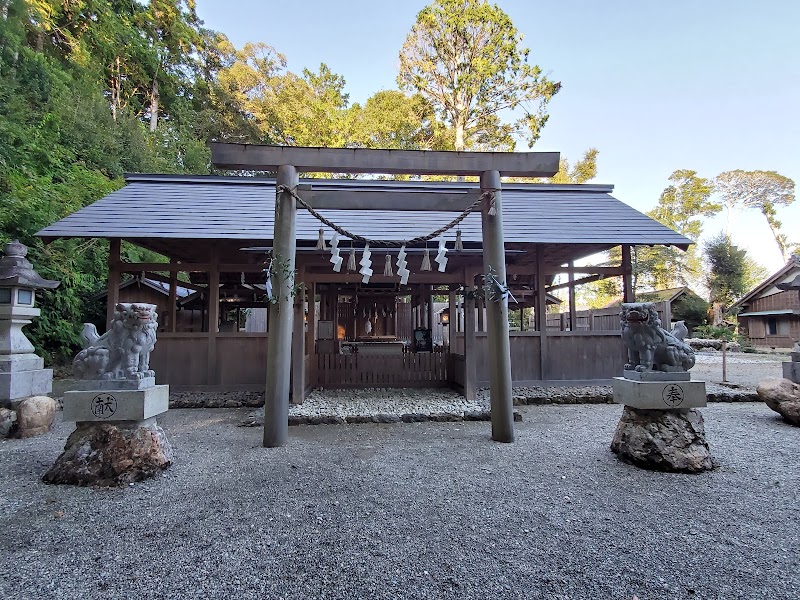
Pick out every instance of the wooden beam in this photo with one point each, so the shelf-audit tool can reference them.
(415, 278)
(279, 342)
(251, 157)
(498, 342)
(114, 245)
(580, 281)
(374, 200)
(190, 267)
(156, 277)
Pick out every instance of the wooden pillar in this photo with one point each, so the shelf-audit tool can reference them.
(279, 345)
(451, 325)
(112, 299)
(499, 344)
(173, 301)
(299, 342)
(213, 316)
(573, 318)
(311, 330)
(541, 310)
(470, 342)
(429, 298)
(481, 305)
(522, 318)
(628, 294)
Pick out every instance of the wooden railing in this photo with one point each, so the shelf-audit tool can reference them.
(424, 369)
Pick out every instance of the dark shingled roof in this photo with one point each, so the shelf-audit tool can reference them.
(204, 207)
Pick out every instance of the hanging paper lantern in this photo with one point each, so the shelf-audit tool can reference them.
(387, 268)
(402, 271)
(441, 259)
(336, 260)
(366, 263)
(426, 261)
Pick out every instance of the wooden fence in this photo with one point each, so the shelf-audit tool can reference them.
(599, 319)
(424, 369)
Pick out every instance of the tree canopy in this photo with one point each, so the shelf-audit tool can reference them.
(727, 273)
(466, 58)
(764, 191)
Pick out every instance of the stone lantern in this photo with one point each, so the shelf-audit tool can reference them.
(22, 373)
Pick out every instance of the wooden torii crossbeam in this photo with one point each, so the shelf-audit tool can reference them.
(287, 161)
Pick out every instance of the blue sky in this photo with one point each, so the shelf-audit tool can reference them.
(655, 86)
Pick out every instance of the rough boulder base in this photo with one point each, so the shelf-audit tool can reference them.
(35, 416)
(105, 454)
(663, 440)
(8, 419)
(782, 396)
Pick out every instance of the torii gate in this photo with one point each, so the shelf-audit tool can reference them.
(288, 160)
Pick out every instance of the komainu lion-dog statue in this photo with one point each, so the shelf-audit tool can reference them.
(650, 346)
(123, 352)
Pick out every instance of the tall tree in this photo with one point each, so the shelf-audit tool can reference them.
(727, 273)
(681, 207)
(581, 172)
(391, 119)
(466, 58)
(764, 191)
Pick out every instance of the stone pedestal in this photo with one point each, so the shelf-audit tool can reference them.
(117, 439)
(109, 454)
(22, 373)
(664, 394)
(109, 405)
(791, 370)
(660, 428)
(663, 440)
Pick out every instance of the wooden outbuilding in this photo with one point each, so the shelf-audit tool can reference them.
(770, 313)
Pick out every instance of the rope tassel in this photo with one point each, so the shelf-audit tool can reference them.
(351, 262)
(426, 261)
(321, 241)
(459, 244)
(492, 205)
(387, 268)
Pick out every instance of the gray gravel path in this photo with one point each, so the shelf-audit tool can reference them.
(421, 510)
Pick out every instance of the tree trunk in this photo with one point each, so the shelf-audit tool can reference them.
(459, 135)
(154, 106)
(716, 317)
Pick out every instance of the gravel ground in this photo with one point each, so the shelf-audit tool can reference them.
(421, 510)
(742, 368)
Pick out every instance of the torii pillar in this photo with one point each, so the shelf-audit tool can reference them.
(281, 315)
(499, 344)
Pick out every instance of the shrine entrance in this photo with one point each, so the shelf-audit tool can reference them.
(288, 334)
(381, 335)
